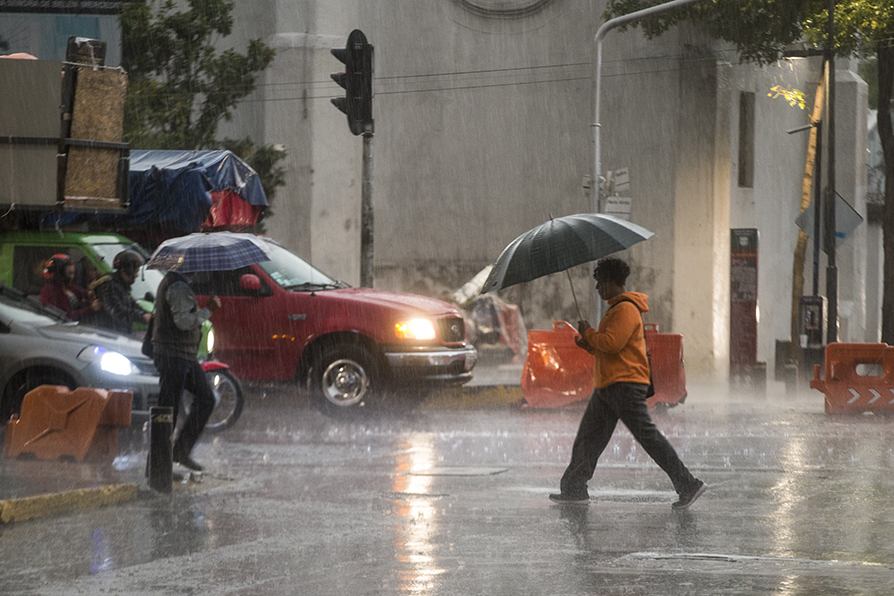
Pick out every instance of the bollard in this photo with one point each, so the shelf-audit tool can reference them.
(160, 466)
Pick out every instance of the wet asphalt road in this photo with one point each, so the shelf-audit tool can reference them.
(454, 502)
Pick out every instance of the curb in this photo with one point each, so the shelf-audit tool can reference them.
(73, 500)
(488, 396)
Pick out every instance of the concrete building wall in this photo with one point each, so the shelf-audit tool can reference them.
(483, 130)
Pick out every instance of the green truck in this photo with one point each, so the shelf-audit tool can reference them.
(23, 254)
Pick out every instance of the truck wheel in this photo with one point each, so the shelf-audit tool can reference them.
(343, 377)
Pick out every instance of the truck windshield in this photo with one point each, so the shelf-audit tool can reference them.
(292, 272)
(147, 279)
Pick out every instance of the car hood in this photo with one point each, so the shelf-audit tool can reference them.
(86, 335)
(396, 301)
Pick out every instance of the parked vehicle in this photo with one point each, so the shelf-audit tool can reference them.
(40, 346)
(23, 254)
(284, 320)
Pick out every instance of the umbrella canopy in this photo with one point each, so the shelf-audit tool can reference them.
(561, 244)
(214, 251)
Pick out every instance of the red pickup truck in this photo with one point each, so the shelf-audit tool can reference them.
(284, 320)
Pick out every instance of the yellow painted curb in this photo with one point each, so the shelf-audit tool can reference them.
(73, 500)
(488, 396)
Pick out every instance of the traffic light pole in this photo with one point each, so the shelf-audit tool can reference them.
(366, 215)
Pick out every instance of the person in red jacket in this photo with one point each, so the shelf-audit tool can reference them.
(621, 378)
(60, 290)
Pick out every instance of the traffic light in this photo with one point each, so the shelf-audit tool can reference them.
(357, 78)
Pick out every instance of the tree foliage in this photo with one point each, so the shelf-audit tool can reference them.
(180, 86)
(761, 30)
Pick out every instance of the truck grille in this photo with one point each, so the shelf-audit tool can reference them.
(452, 329)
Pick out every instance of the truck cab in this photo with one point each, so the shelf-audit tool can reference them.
(285, 320)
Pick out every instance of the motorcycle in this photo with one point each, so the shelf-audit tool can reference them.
(228, 398)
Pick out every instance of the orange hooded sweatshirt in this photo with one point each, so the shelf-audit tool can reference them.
(619, 345)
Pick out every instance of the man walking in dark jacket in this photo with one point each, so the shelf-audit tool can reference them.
(177, 333)
(119, 309)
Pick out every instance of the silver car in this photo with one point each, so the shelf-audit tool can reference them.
(40, 346)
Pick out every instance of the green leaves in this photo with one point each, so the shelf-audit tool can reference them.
(761, 29)
(180, 86)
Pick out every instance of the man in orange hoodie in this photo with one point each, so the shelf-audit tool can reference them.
(621, 377)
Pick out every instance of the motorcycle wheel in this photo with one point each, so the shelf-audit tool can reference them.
(228, 400)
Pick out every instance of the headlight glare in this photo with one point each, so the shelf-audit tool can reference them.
(210, 340)
(109, 361)
(419, 329)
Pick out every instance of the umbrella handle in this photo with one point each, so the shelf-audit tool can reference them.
(580, 316)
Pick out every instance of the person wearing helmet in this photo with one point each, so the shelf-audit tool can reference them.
(119, 309)
(61, 292)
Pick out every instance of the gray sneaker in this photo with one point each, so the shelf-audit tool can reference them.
(689, 497)
(566, 499)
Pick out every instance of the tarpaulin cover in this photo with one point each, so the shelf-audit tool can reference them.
(173, 193)
(172, 189)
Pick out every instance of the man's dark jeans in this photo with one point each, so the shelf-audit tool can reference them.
(176, 375)
(625, 402)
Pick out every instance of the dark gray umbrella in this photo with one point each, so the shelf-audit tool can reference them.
(559, 245)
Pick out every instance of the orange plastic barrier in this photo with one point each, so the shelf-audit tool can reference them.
(848, 383)
(666, 359)
(558, 373)
(57, 422)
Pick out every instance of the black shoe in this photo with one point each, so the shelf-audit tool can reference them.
(566, 499)
(188, 462)
(689, 497)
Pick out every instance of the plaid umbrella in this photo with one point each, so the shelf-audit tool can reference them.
(214, 251)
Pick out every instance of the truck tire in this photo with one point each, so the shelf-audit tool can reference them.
(343, 377)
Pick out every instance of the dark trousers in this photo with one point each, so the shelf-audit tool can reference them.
(177, 374)
(625, 402)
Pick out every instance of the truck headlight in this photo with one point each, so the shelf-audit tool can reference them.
(419, 329)
(108, 360)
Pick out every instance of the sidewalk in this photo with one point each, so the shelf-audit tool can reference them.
(34, 488)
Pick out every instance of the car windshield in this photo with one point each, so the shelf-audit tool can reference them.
(18, 308)
(147, 279)
(294, 273)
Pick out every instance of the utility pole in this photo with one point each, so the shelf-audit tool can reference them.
(829, 205)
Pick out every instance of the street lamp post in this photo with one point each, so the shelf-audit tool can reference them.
(597, 125)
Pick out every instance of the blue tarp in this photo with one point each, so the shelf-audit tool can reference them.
(170, 191)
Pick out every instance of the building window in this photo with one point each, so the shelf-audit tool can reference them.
(746, 140)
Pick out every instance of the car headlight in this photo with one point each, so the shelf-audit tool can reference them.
(210, 340)
(419, 329)
(108, 360)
